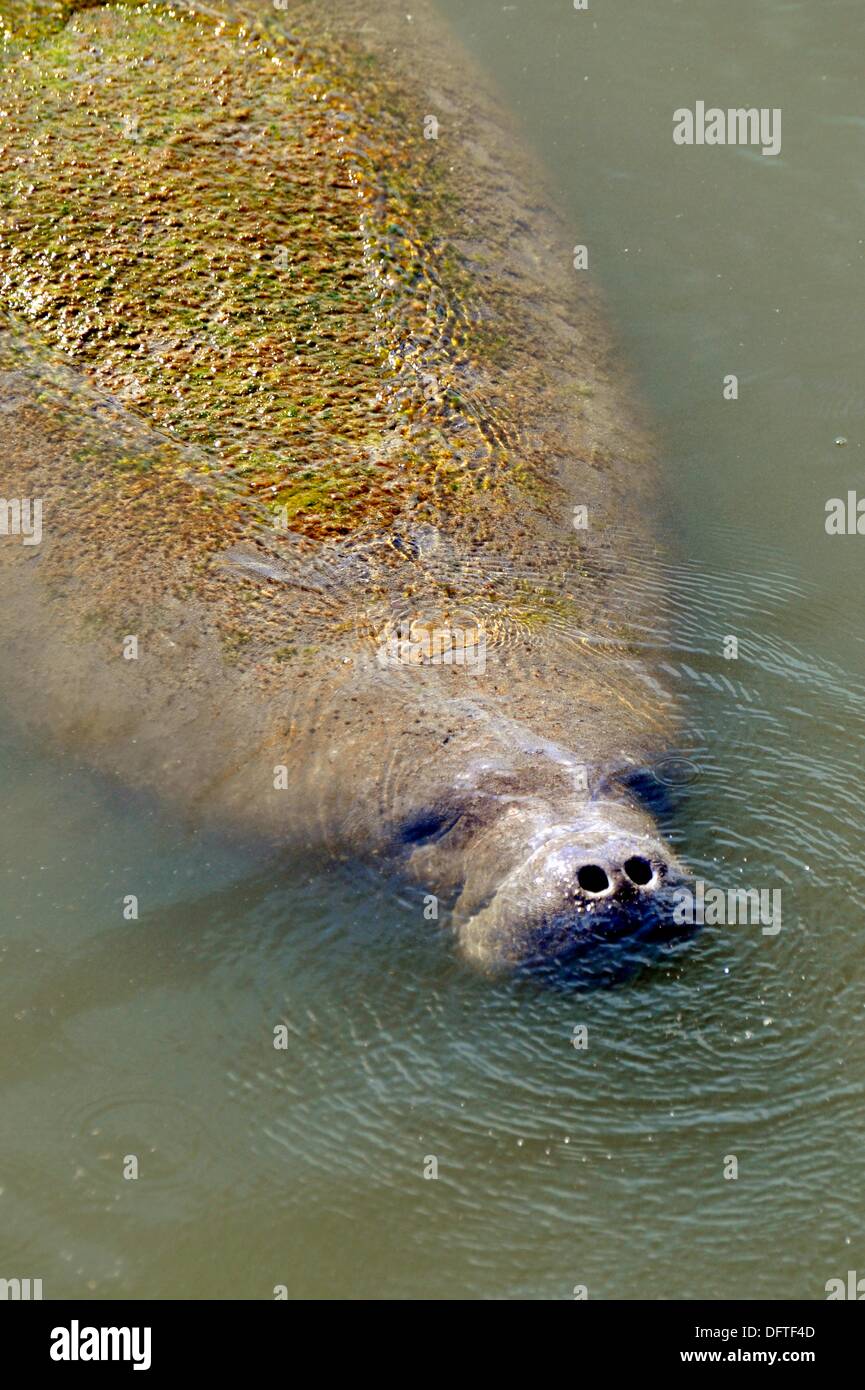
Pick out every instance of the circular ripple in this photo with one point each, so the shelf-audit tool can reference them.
(169, 1139)
(676, 772)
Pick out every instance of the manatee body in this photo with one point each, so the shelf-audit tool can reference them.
(316, 414)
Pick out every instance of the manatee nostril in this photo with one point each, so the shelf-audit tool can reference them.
(592, 878)
(638, 869)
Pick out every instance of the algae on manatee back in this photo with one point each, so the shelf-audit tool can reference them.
(216, 227)
(248, 302)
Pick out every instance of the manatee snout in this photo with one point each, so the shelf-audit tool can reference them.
(592, 884)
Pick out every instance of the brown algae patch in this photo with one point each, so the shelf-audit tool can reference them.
(231, 244)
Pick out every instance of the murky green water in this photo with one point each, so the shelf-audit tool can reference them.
(304, 1167)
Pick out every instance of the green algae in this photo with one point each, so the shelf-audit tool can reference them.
(23, 21)
(210, 224)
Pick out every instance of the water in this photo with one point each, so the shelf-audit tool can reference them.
(303, 1166)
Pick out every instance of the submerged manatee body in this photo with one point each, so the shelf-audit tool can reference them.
(317, 415)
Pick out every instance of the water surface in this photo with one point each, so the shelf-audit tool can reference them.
(303, 1167)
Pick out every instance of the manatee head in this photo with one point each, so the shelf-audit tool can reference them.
(604, 878)
(545, 876)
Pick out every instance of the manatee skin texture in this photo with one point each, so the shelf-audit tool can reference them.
(316, 410)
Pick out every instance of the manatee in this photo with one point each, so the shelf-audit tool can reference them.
(346, 508)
